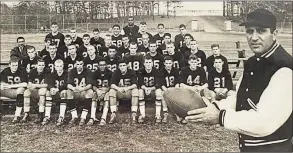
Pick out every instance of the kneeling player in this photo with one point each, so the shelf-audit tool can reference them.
(149, 83)
(37, 89)
(220, 81)
(79, 88)
(101, 85)
(57, 85)
(123, 87)
(13, 83)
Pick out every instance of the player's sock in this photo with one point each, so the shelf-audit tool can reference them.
(134, 109)
(72, 108)
(105, 110)
(62, 108)
(158, 108)
(164, 105)
(42, 104)
(48, 108)
(113, 108)
(74, 113)
(142, 107)
(94, 109)
(26, 104)
(18, 111)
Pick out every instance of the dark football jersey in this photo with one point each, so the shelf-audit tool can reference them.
(122, 51)
(220, 80)
(184, 49)
(134, 62)
(163, 50)
(158, 61)
(100, 42)
(126, 80)
(82, 79)
(82, 50)
(131, 32)
(169, 79)
(138, 38)
(112, 63)
(211, 59)
(159, 39)
(28, 64)
(179, 40)
(58, 38)
(102, 78)
(78, 41)
(50, 62)
(192, 78)
(92, 64)
(37, 78)
(63, 50)
(178, 60)
(103, 51)
(55, 81)
(201, 58)
(14, 78)
(117, 40)
(143, 49)
(152, 79)
(69, 62)
(43, 53)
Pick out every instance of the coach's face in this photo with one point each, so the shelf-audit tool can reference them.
(52, 49)
(260, 39)
(20, 42)
(130, 21)
(79, 65)
(13, 66)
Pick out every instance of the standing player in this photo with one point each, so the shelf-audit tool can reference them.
(124, 49)
(162, 48)
(112, 58)
(53, 56)
(101, 86)
(75, 39)
(133, 59)
(149, 84)
(63, 50)
(103, 51)
(186, 44)
(55, 35)
(96, 40)
(31, 61)
(116, 37)
(142, 30)
(216, 53)
(159, 37)
(170, 76)
(144, 47)
(70, 60)
(12, 85)
(201, 56)
(36, 90)
(131, 29)
(57, 90)
(79, 88)
(92, 60)
(158, 59)
(178, 59)
(220, 81)
(179, 39)
(123, 87)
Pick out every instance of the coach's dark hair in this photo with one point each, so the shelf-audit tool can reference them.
(96, 30)
(182, 26)
(13, 60)
(19, 38)
(167, 34)
(215, 45)
(86, 35)
(166, 58)
(68, 36)
(161, 24)
(30, 47)
(143, 23)
(116, 25)
(54, 23)
(192, 57)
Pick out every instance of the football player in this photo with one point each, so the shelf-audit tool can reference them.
(101, 86)
(82, 50)
(124, 49)
(92, 60)
(162, 48)
(149, 82)
(116, 37)
(216, 53)
(134, 60)
(123, 87)
(56, 92)
(103, 51)
(220, 81)
(53, 56)
(36, 90)
(158, 59)
(13, 84)
(201, 60)
(96, 40)
(131, 29)
(179, 39)
(55, 35)
(170, 76)
(79, 88)
(159, 37)
(75, 39)
(178, 59)
(186, 44)
(45, 51)
(70, 60)
(142, 30)
(31, 61)
(144, 47)
(63, 50)
(112, 58)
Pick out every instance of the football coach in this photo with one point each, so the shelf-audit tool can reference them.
(261, 112)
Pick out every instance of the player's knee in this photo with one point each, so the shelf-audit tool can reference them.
(42, 91)
(141, 94)
(106, 98)
(112, 93)
(231, 93)
(159, 94)
(89, 93)
(20, 90)
(134, 93)
(27, 93)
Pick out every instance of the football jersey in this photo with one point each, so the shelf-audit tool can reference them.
(97, 42)
(192, 78)
(220, 80)
(37, 78)
(211, 59)
(82, 79)
(201, 58)
(13, 78)
(103, 51)
(55, 81)
(179, 40)
(152, 79)
(138, 38)
(169, 79)
(134, 62)
(117, 40)
(159, 39)
(112, 64)
(58, 38)
(143, 49)
(125, 80)
(158, 61)
(49, 62)
(28, 64)
(178, 60)
(102, 78)
(92, 64)
(122, 51)
(131, 32)
(69, 62)
(44, 52)
(184, 49)
(63, 50)
(78, 41)
(82, 50)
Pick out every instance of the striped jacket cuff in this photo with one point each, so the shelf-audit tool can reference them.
(221, 117)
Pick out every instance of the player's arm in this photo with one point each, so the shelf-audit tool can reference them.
(88, 81)
(134, 81)
(114, 81)
(70, 81)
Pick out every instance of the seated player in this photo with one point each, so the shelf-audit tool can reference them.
(144, 47)
(101, 86)
(123, 87)
(96, 40)
(36, 90)
(170, 76)
(53, 56)
(220, 81)
(149, 84)
(158, 59)
(159, 37)
(178, 59)
(112, 58)
(63, 50)
(103, 51)
(116, 37)
(57, 90)
(124, 49)
(134, 60)
(201, 56)
(82, 50)
(216, 53)
(92, 60)
(31, 61)
(79, 88)
(70, 60)
(12, 84)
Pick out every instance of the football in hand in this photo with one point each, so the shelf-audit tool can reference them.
(181, 100)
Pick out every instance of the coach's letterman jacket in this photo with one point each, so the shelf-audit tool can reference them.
(263, 116)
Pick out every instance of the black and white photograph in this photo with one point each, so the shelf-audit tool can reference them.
(146, 76)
